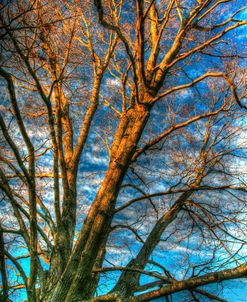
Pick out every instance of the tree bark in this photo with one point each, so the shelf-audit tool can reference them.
(77, 276)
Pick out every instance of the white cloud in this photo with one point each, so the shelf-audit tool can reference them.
(113, 82)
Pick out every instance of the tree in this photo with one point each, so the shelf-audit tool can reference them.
(123, 128)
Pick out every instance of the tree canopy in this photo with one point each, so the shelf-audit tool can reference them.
(123, 149)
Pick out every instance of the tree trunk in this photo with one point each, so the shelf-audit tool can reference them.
(64, 238)
(77, 278)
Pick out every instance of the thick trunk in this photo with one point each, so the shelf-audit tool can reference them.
(63, 239)
(98, 264)
(77, 278)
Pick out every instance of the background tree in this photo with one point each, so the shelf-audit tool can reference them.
(123, 147)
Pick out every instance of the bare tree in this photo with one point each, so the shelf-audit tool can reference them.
(123, 144)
